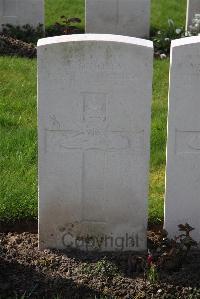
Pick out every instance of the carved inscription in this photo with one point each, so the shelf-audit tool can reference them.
(94, 106)
(94, 145)
(187, 142)
(64, 140)
(93, 182)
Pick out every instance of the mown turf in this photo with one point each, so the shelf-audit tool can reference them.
(18, 183)
(162, 10)
(18, 145)
(69, 8)
(158, 140)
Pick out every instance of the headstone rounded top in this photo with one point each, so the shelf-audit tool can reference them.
(94, 37)
(185, 41)
(94, 113)
(182, 204)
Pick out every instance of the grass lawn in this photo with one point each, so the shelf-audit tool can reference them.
(162, 10)
(69, 8)
(18, 146)
(18, 185)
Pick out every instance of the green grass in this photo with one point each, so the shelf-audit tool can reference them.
(158, 140)
(162, 10)
(18, 146)
(18, 183)
(69, 8)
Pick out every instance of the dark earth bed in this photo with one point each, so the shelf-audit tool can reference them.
(26, 272)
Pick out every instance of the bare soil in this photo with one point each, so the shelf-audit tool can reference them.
(26, 271)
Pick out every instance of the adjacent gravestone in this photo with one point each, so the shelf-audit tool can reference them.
(94, 102)
(22, 12)
(183, 149)
(125, 17)
(193, 7)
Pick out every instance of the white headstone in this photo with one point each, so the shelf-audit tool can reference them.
(22, 12)
(125, 17)
(193, 7)
(183, 149)
(94, 102)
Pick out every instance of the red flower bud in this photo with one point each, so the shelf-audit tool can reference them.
(149, 259)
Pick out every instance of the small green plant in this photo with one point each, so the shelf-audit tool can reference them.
(106, 268)
(152, 271)
(162, 39)
(152, 274)
(102, 268)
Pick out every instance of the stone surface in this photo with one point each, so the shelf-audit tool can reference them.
(22, 12)
(182, 203)
(125, 17)
(193, 7)
(94, 99)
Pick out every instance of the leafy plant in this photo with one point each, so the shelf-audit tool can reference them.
(152, 273)
(30, 34)
(169, 254)
(173, 252)
(106, 268)
(64, 26)
(151, 269)
(185, 241)
(162, 39)
(25, 33)
(102, 268)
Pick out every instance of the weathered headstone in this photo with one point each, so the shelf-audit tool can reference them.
(193, 7)
(94, 99)
(124, 17)
(22, 12)
(183, 149)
